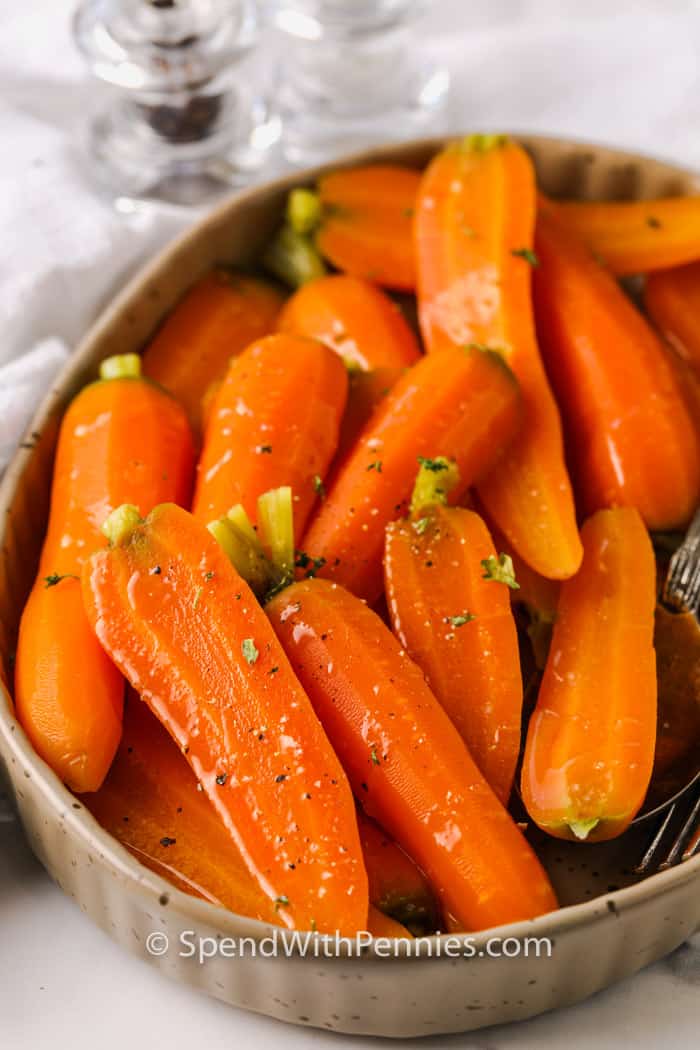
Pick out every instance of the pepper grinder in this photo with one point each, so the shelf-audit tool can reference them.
(354, 72)
(187, 114)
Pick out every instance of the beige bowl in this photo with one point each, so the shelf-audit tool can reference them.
(611, 924)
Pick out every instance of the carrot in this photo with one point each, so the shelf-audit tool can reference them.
(636, 236)
(462, 404)
(187, 632)
(397, 887)
(121, 438)
(672, 301)
(366, 222)
(355, 319)
(381, 925)
(150, 803)
(630, 436)
(474, 228)
(405, 760)
(447, 592)
(365, 392)
(275, 421)
(590, 742)
(217, 318)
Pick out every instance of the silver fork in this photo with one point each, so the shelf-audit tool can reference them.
(678, 836)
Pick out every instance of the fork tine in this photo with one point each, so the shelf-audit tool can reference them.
(693, 846)
(682, 586)
(647, 862)
(689, 825)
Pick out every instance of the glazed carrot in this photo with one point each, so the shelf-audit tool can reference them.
(188, 634)
(365, 391)
(121, 438)
(590, 742)
(355, 319)
(636, 236)
(630, 437)
(275, 421)
(405, 760)
(381, 925)
(448, 598)
(366, 225)
(397, 887)
(462, 404)
(151, 804)
(474, 228)
(217, 318)
(672, 301)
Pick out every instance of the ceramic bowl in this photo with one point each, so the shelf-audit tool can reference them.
(610, 925)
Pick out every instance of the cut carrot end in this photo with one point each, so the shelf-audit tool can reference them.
(276, 518)
(120, 524)
(245, 554)
(121, 366)
(435, 480)
(583, 828)
(292, 257)
(303, 210)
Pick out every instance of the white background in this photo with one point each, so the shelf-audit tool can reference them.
(618, 72)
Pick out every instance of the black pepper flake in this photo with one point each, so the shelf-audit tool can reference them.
(155, 571)
(273, 670)
(221, 779)
(167, 841)
(280, 777)
(653, 222)
(364, 786)
(264, 449)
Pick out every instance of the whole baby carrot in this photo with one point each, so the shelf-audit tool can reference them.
(636, 236)
(355, 319)
(590, 742)
(461, 404)
(365, 228)
(448, 596)
(217, 318)
(189, 635)
(121, 438)
(274, 421)
(474, 228)
(366, 390)
(405, 760)
(630, 436)
(672, 301)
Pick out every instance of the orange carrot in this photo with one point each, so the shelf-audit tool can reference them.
(355, 319)
(365, 392)
(217, 318)
(630, 437)
(405, 760)
(275, 421)
(672, 300)
(397, 887)
(636, 236)
(366, 224)
(188, 634)
(590, 743)
(121, 438)
(381, 925)
(474, 228)
(447, 592)
(151, 804)
(462, 404)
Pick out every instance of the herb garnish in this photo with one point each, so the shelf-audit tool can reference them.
(249, 650)
(318, 486)
(55, 577)
(500, 570)
(460, 619)
(377, 465)
(281, 901)
(527, 254)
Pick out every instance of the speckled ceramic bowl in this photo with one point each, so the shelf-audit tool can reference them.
(610, 924)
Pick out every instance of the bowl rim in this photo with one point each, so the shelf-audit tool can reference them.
(71, 811)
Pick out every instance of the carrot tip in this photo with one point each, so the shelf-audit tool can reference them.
(435, 480)
(120, 525)
(292, 257)
(583, 828)
(303, 210)
(121, 366)
(276, 520)
(480, 143)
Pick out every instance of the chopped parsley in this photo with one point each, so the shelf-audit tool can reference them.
(374, 757)
(500, 570)
(208, 576)
(435, 465)
(421, 525)
(303, 560)
(55, 577)
(249, 650)
(377, 465)
(527, 254)
(281, 901)
(318, 486)
(460, 619)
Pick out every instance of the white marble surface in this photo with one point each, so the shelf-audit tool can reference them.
(625, 73)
